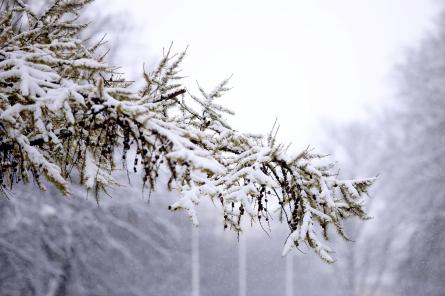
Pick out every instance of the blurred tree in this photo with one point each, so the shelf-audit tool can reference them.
(422, 96)
(53, 246)
(401, 250)
(357, 146)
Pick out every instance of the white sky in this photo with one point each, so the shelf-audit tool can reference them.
(307, 62)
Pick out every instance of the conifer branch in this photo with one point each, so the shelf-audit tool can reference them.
(63, 113)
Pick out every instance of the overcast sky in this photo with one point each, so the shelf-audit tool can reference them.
(307, 62)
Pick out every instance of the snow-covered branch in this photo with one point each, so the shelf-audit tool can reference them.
(64, 113)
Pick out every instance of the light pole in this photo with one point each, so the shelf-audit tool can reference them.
(242, 265)
(290, 274)
(195, 260)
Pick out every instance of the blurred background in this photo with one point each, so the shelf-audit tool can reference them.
(361, 80)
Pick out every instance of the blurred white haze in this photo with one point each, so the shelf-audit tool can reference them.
(308, 63)
(326, 69)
